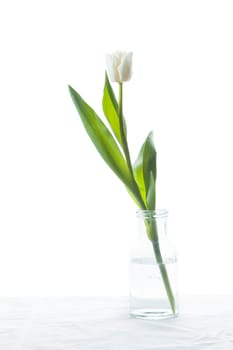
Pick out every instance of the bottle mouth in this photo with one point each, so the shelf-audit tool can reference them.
(152, 214)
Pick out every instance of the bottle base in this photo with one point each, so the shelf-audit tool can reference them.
(152, 314)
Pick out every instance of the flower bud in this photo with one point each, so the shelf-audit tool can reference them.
(119, 66)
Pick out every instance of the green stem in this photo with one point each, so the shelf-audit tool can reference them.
(123, 136)
(126, 148)
(152, 228)
(162, 267)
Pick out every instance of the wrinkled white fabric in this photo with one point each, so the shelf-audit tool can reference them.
(81, 323)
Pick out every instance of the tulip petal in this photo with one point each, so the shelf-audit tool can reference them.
(111, 68)
(119, 65)
(125, 67)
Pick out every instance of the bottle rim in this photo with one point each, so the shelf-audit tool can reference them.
(152, 214)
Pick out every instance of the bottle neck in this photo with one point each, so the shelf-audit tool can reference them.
(152, 214)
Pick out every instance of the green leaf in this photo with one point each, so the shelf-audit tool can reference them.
(144, 168)
(134, 198)
(102, 139)
(150, 197)
(110, 108)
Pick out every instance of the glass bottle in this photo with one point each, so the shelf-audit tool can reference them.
(153, 268)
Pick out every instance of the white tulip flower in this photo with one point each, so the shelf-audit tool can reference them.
(119, 66)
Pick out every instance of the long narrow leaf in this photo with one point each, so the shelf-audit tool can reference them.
(149, 160)
(145, 167)
(150, 197)
(138, 174)
(102, 138)
(110, 108)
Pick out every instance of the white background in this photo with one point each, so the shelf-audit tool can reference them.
(65, 219)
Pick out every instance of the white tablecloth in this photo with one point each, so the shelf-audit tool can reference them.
(78, 323)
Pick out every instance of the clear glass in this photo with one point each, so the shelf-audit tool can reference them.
(153, 269)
